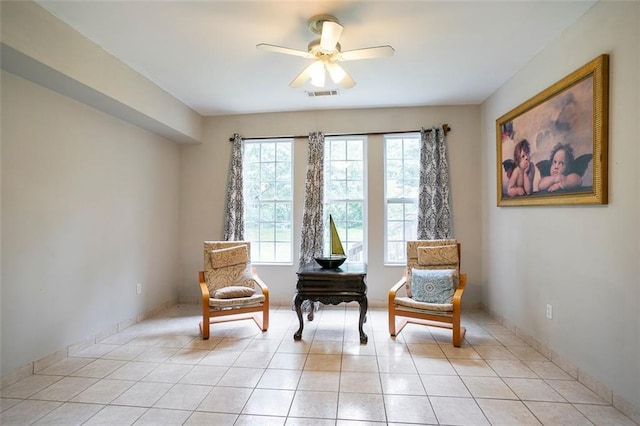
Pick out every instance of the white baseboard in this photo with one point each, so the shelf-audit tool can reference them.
(50, 359)
(627, 408)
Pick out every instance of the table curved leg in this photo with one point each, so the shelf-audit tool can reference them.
(312, 310)
(298, 304)
(364, 304)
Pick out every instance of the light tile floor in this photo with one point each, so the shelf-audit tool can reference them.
(160, 372)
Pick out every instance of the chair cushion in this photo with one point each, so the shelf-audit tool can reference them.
(433, 285)
(413, 260)
(239, 302)
(233, 291)
(438, 255)
(409, 304)
(228, 266)
(229, 256)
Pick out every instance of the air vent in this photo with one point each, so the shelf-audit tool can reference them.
(322, 93)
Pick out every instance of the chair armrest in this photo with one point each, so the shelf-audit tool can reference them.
(457, 295)
(204, 289)
(261, 284)
(397, 286)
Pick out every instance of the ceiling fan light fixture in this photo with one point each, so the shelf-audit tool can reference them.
(336, 72)
(317, 74)
(325, 51)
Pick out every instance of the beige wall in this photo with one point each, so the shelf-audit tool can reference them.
(582, 259)
(92, 205)
(204, 171)
(39, 47)
(89, 209)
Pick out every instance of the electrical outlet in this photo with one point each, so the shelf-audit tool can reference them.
(549, 311)
(139, 288)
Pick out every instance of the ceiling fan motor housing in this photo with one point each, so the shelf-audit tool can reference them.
(315, 22)
(315, 49)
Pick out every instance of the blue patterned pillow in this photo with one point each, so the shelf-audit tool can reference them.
(433, 285)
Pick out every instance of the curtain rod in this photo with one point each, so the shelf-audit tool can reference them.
(445, 126)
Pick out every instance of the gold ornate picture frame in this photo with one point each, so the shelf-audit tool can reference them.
(552, 149)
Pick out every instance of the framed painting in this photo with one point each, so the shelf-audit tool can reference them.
(552, 149)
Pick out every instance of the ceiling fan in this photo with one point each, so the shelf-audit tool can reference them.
(327, 52)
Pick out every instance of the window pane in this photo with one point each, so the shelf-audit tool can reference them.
(394, 169)
(283, 153)
(283, 171)
(338, 150)
(268, 172)
(268, 189)
(251, 152)
(395, 211)
(411, 169)
(355, 212)
(355, 190)
(354, 150)
(354, 170)
(393, 149)
(338, 211)
(267, 231)
(283, 232)
(268, 152)
(283, 190)
(395, 231)
(411, 188)
(251, 231)
(338, 190)
(283, 213)
(396, 252)
(267, 253)
(283, 252)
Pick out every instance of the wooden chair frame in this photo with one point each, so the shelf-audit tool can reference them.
(430, 318)
(212, 315)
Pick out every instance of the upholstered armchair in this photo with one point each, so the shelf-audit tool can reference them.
(433, 287)
(228, 285)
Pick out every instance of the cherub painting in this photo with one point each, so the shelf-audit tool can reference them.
(552, 149)
(548, 150)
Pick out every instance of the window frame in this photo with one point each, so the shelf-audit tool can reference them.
(255, 244)
(397, 200)
(364, 200)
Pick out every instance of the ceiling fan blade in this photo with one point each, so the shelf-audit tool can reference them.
(366, 53)
(285, 50)
(330, 35)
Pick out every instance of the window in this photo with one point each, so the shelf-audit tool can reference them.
(268, 197)
(344, 193)
(401, 181)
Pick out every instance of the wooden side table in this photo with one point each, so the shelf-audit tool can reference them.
(332, 286)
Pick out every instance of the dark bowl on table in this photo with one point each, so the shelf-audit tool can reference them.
(331, 262)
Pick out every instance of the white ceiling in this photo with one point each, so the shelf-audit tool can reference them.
(204, 54)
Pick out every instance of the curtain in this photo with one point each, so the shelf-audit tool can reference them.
(312, 241)
(234, 224)
(434, 213)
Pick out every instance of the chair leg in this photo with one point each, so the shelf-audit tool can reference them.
(458, 331)
(205, 325)
(392, 320)
(265, 318)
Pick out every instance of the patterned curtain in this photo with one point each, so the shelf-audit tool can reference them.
(434, 214)
(234, 224)
(312, 241)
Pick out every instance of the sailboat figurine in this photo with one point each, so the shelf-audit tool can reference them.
(336, 256)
